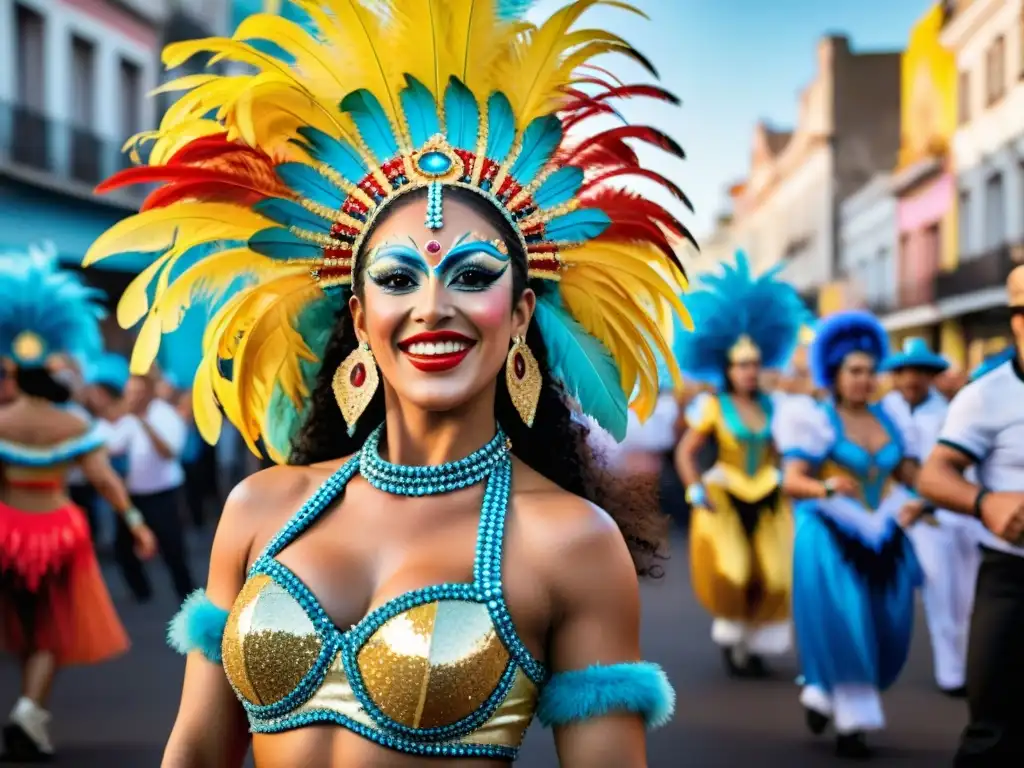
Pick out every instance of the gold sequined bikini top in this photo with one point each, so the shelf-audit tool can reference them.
(438, 671)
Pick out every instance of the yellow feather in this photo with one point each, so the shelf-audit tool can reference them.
(168, 144)
(186, 224)
(147, 344)
(532, 76)
(477, 43)
(418, 42)
(184, 83)
(134, 302)
(176, 54)
(204, 405)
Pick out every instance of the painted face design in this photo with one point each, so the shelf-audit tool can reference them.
(472, 264)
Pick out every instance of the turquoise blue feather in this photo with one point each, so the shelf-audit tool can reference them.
(279, 243)
(583, 365)
(55, 304)
(372, 122)
(290, 214)
(540, 141)
(513, 10)
(461, 115)
(315, 325)
(198, 626)
(560, 187)
(420, 111)
(577, 226)
(339, 155)
(501, 127)
(308, 183)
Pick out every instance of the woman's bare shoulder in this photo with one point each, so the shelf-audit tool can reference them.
(560, 526)
(271, 496)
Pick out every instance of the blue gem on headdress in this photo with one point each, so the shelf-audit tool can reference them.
(434, 163)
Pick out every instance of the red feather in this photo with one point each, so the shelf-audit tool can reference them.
(646, 173)
(207, 168)
(642, 132)
(636, 218)
(612, 153)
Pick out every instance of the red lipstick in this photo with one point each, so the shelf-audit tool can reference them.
(432, 359)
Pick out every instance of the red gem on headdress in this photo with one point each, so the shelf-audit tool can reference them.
(433, 247)
(358, 375)
(519, 366)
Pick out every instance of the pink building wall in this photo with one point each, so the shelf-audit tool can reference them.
(920, 248)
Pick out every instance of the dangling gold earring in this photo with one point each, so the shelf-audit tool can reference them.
(354, 384)
(522, 376)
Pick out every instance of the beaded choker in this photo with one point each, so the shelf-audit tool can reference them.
(404, 480)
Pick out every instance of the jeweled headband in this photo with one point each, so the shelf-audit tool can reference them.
(385, 98)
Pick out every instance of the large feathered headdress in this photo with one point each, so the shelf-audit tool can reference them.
(296, 159)
(736, 315)
(46, 311)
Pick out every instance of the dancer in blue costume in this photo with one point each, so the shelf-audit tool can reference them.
(855, 571)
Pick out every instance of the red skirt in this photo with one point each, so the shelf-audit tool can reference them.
(52, 594)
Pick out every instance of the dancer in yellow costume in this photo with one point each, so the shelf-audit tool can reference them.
(428, 278)
(741, 529)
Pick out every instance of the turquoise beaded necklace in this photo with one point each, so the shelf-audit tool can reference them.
(404, 480)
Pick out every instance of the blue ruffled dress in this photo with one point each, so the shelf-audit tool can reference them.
(855, 570)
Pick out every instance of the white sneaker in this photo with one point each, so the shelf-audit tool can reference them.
(33, 721)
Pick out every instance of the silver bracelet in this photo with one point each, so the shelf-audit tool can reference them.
(133, 518)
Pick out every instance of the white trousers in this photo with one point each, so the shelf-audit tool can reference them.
(772, 639)
(852, 707)
(949, 556)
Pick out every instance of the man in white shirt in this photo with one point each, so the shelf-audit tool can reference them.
(985, 429)
(946, 543)
(154, 437)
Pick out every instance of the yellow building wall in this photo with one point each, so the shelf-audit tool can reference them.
(952, 344)
(928, 117)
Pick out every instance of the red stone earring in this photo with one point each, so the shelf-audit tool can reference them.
(354, 384)
(523, 379)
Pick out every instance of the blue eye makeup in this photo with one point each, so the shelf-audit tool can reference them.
(469, 265)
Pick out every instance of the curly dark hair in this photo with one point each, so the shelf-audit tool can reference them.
(632, 502)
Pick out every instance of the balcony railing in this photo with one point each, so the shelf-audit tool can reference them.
(989, 270)
(66, 154)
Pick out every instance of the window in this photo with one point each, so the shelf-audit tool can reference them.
(995, 212)
(131, 98)
(995, 70)
(964, 97)
(963, 216)
(83, 82)
(931, 252)
(877, 287)
(30, 67)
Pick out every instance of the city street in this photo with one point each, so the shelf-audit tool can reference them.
(119, 714)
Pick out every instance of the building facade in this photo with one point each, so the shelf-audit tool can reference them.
(987, 39)
(74, 78)
(847, 131)
(924, 186)
(868, 246)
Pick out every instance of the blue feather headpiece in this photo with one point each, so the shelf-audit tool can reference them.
(46, 311)
(733, 306)
(841, 334)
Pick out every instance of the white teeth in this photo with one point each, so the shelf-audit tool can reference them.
(427, 348)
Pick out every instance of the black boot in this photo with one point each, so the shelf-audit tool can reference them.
(732, 669)
(816, 722)
(852, 746)
(955, 693)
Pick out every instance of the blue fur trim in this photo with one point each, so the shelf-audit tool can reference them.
(198, 626)
(639, 687)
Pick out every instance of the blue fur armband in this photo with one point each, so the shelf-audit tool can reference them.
(638, 687)
(198, 626)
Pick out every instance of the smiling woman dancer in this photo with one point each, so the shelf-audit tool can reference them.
(435, 274)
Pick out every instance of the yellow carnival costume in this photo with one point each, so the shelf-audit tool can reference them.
(274, 179)
(741, 529)
(302, 156)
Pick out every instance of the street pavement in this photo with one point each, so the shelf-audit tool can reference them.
(118, 715)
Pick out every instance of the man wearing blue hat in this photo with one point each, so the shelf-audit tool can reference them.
(946, 543)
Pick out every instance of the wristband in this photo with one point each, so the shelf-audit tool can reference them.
(976, 511)
(830, 487)
(133, 518)
(696, 496)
